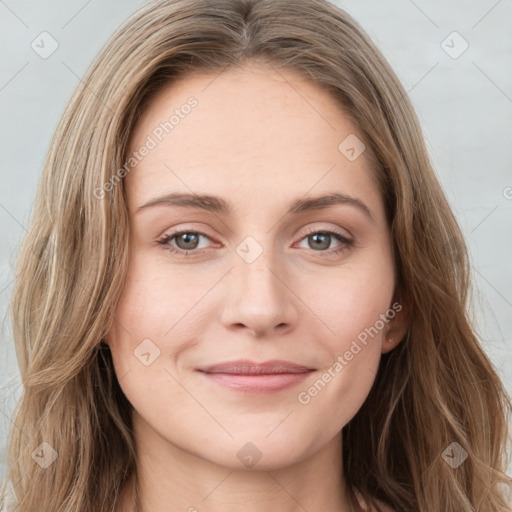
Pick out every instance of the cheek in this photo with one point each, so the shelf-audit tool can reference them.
(350, 301)
(353, 307)
(156, 299)
(160, 315)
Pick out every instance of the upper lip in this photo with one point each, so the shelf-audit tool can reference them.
(245, 367)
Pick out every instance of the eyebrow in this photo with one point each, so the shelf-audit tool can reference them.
(216, 204)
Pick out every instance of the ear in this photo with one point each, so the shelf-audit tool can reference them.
(396, 328)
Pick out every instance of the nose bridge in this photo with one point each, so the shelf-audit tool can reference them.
(255, 268)
(259, 299)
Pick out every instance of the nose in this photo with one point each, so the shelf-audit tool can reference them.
(258, 300)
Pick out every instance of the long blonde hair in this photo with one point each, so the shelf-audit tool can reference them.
(436, 388)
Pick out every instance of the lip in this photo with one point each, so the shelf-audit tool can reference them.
(247, 367)
(250, 376)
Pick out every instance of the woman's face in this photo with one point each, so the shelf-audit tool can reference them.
(272, 273)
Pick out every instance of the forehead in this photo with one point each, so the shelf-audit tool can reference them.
(254, 131)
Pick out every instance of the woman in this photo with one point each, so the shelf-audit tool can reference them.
(243, 285)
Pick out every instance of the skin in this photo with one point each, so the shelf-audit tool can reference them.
(260, 140)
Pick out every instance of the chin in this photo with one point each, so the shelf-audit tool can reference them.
(253, 450)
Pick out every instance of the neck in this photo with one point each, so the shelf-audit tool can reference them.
(169, 478)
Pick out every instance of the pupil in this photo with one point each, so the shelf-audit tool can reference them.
(325, 242)
(188, 238)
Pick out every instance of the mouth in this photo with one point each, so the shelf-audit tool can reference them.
(252, 377)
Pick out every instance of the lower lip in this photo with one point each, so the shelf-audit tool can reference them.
(258, 383)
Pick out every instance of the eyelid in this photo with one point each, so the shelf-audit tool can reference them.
(185, 229)
(337, 230)
(166, 237)
(307, 231)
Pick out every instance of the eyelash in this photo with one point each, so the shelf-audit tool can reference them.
(346, 243)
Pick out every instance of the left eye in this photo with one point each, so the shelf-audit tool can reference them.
(188, 241)
(322, 240)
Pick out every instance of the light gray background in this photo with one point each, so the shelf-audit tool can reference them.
(464, 104)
